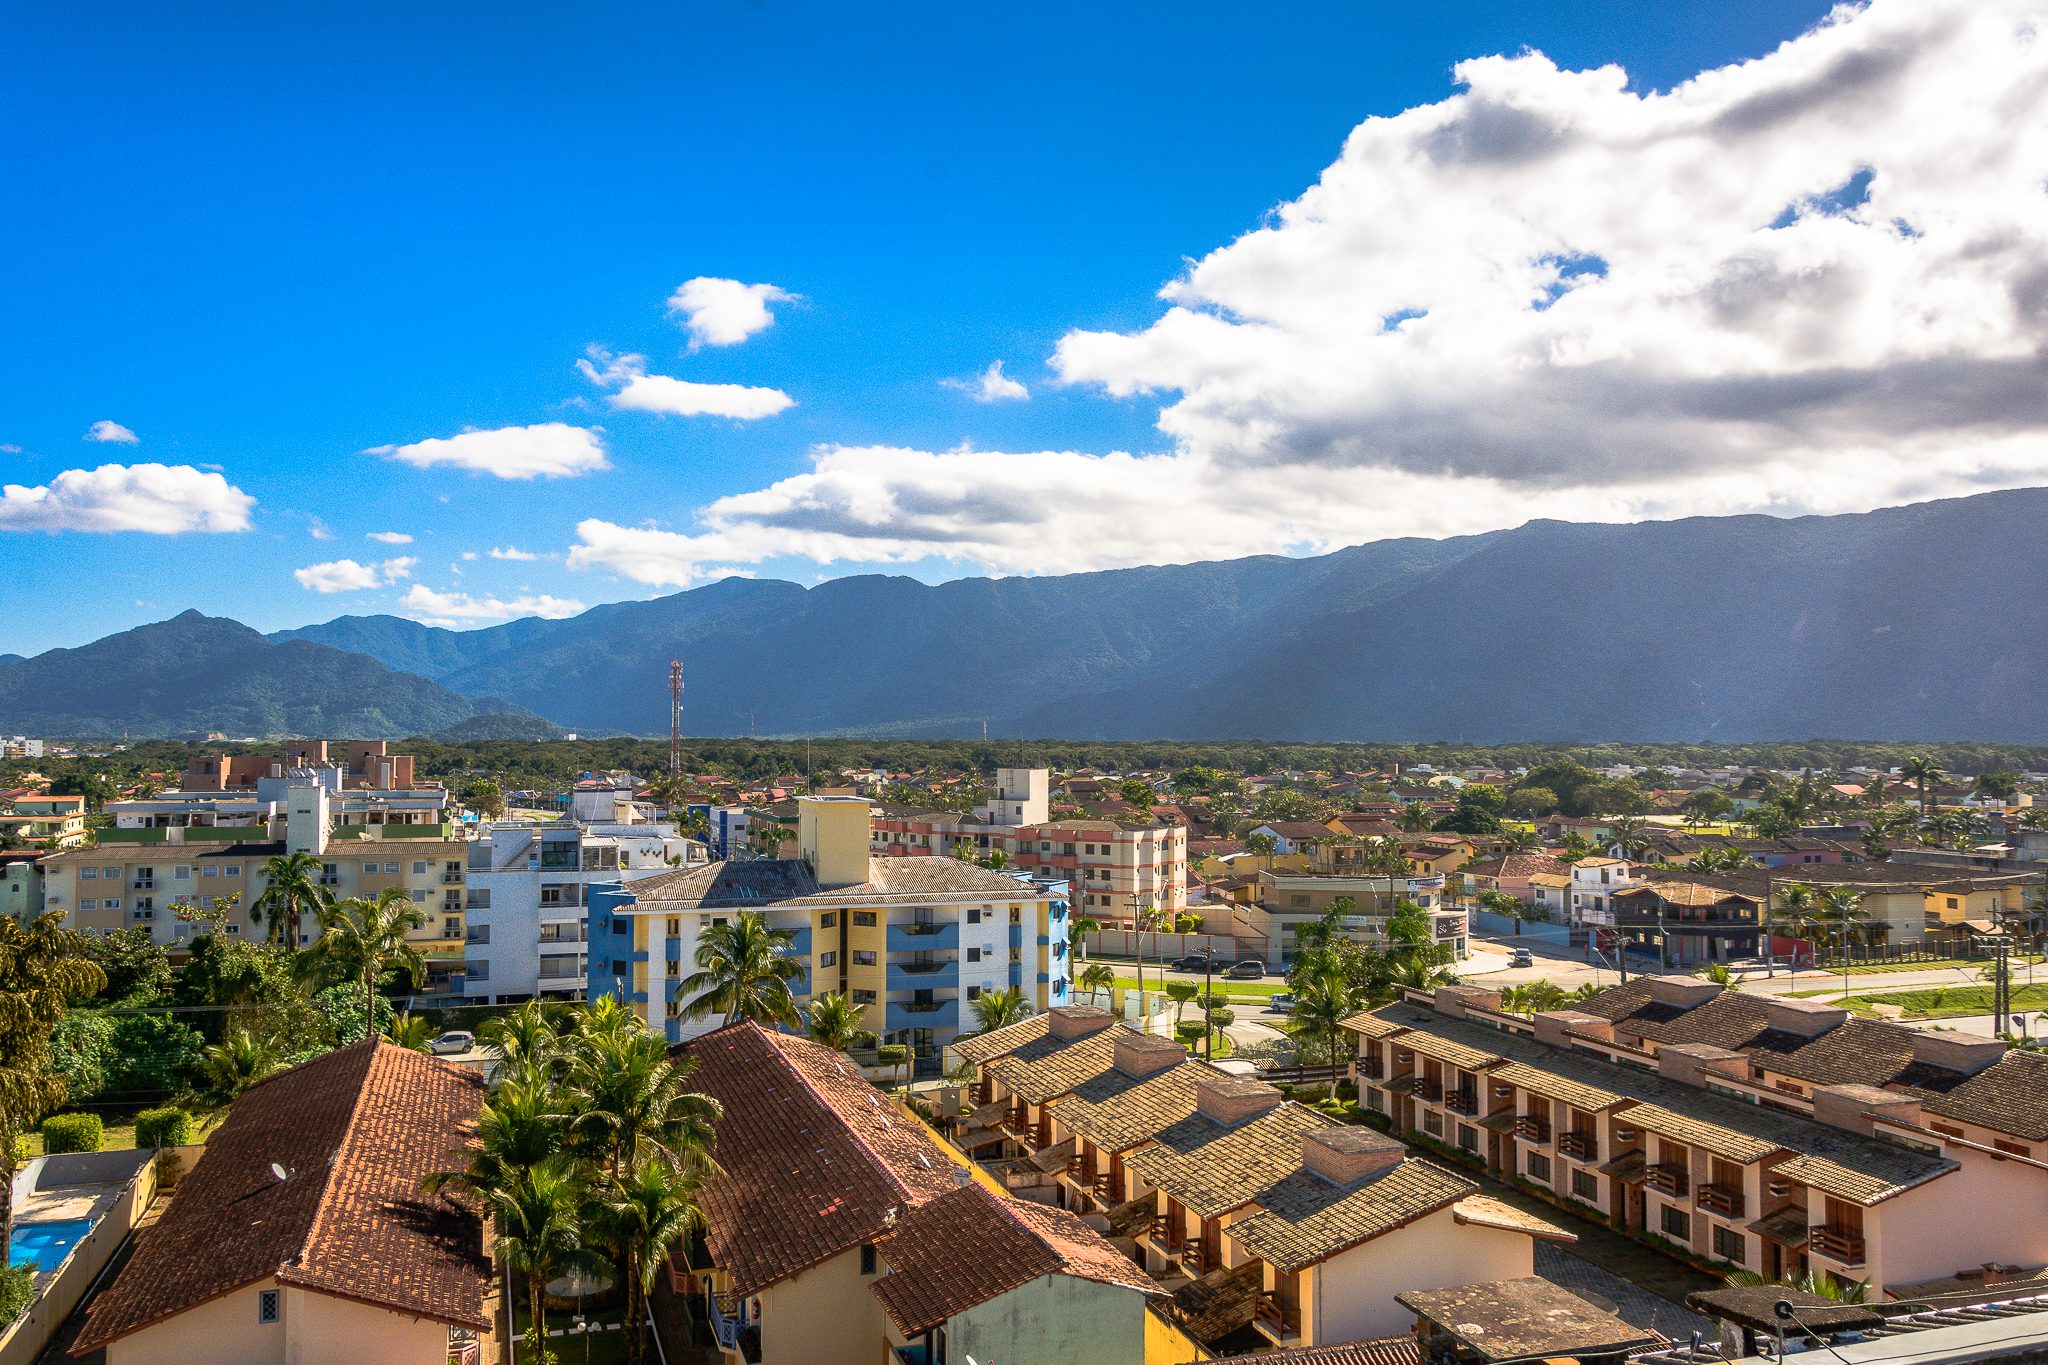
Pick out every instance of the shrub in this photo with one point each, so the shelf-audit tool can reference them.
(167, 1127)
(71, 1133)
(17, 1292)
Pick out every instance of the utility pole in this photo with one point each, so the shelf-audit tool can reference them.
(2001, 983)
(675, 720)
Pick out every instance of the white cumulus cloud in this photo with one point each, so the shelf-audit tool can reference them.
(508, 552)
(638, 390)
(346, 575)
(156, 498)
(111, 432)
(543, 450)
(389, 537)
(990, 386)
(425, 604)
(720, 312)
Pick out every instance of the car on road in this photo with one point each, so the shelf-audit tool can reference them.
(1521, 957)
(452, 1042)
(1282, 1003)
(1195, 963)
(1246, 971)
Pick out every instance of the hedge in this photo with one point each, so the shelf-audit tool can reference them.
(167, 1127)
(71, 1133)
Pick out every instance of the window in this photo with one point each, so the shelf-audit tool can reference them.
(974, 992)
(974, 954)
(829, 920)
(390, 867)
(266, 1306)
(1468, 1137)
(419, 893)
(369, 867)
(1677, 1223)
(675, 926)
(974, 914)
(2017, 1149)
(1433, 1122)
(209, 871)
(479, 933)
(86, 874)
(867, 1259)
(477, 970)
(863, 997)
(183, 874)
(1586, 1186)
(863, 919)
(1730, 1245)
(1376, 1099)
(419, 869)
(863, 957)
(88, 903)
(828, 959)
(232, 870)
(111, 903)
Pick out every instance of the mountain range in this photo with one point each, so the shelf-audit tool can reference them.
(1917, 622)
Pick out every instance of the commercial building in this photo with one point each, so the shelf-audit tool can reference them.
(912, 940)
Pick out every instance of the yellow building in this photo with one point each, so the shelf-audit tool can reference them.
(913, 941)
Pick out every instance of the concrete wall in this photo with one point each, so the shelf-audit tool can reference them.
(1353, 1291)
(1957, 1222)
(324, 1330)
(823, 1316)
(222, 1331)
(58, 1295)
(1053, 1320)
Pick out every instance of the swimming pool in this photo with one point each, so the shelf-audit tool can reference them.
(45, 1245)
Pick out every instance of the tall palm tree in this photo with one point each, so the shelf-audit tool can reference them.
(291, 888)
(834, 1020)
(527, 1042)
(361, 940)
(521, 1125)
(1795, 902)
(1924, 772)
(1322, 1002)
(1628, 836)
(999, 1009)
(43, 968)
(640, 1219)
(1078, 929)
(743, 972)
(1098, 976)
(632, 1104)
(538, 1222)
(1841, 915)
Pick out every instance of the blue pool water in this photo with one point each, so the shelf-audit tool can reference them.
(45, 1245)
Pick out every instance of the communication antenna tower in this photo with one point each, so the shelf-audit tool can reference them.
(675, 719)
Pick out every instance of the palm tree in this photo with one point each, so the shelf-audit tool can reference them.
(361, 940)
(1078, 930)
(538, 1220)
(743, 971)
(1322, 1002)
(43, 967)
(1923, 771)
(999, 1009)
(1818, 1283)
(834, 1020)
(1098, 976)
(641, 1218)
(410, 1030)
(1628, 837)
(526, 1043)
(1415, 817)
(233, 1064)
(291, 887)
(1795, 902)
(1841, 915)
(632, 1105)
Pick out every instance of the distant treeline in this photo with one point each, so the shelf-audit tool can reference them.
(550, 763)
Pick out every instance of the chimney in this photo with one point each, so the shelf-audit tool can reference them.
(1690, 1063)
(1068, 1022)
(1344, 1154)
(1140, 1055)
(1233, 1099)
(1453, 1001)
(1806, 1018)
(1956, 1051)
(1853, 1107)
(1682, 992)
(1552, 1025)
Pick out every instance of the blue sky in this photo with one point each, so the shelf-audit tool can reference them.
(265, 240)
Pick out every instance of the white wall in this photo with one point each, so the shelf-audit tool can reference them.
(1354, 1290)
(222, 1331)
(324, 1330)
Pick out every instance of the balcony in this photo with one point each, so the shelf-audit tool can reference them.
(1725, 1200)
(1280, 1321)
(923, 938)
(1668, 1179)
(1425, 1089)
(1842, 1245)
(1372, 1068)
(923, 976)
(1579, 1146)
(728, 1319)
(1462, 1102)
(1530, 1128)
(916, 1014)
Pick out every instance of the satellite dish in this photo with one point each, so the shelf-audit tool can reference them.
(277, 1169)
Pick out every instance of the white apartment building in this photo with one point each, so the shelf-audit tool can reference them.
(529, 891)
(1590, 897)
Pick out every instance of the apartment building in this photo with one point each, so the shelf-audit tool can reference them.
(1107, 863)
(159, 880)
(43, 820)
(911, 940)
(1286, 901)
(1694, 1145)
(21, 884)
(841, 1229)
(363, 763)
(1259, 1214)
(527, 894)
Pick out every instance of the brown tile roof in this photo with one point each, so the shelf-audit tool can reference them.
(1552, 1086)
(1212, 1169)
(1697, 1132)
(1046, 1067)
(1404, 1350)
(1370, 1025)
(1445, 1050)
(357, 1129)
(967, 1247)
(1731, 1020)
(1524, 1319)
(1219, 1303)
(2010, 1095)
(1304, 1218)
(1117, 1112)
(813, 1157)
(984, 1046)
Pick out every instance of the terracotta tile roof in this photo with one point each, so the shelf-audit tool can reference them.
(1696, 1132)
(970, 1246)
(1370, 1025)
(813, 1157)
(1117, 1112)
(1731, 1020)
(1403, 1350)
(1046, 1067)
(2010, 1095)
(357, 1129)
(984, 1046)
(1219, 1303)
(1212, 1169)
(1553, 1086)
(1304, 1218)
(1446, 1050)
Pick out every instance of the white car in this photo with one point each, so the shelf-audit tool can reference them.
(452, 1042)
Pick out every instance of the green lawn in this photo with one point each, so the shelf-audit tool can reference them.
(605, 1348)
(1943, 964)
(1946, 1002)
(118, 1137)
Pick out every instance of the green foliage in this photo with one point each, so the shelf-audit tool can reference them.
(43, 969)
(342, 1007)
(72, 1133)
(485, 797)
(138, 968)
(744, 971)
(166, 1127)
(17, 1292)
(82, 1052)
(153, 1052)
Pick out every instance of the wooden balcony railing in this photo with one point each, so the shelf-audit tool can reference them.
(1532, 1128)
(1373, 1068)
(1725, 1200)
(1425, 1089)
(1460, 1102)
(1671, 1180)
(1282, 1318)
(1837, 1244)
(1579, 1146)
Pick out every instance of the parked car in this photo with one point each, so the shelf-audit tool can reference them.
(1246, 971)
(1195, 962)
(1521, 957)
(452, 1042)
(1282, 1003)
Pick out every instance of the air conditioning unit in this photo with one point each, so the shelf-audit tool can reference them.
(1780, 1188)
(1503, 1092)
(1624, 1135)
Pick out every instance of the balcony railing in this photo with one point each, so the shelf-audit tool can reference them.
(1372, 1068)
(1424, 1089)
(1837, 1244)
(1669, 1179)
(1462, 1102)
(1579, 1146)
(1281, 1319)
(1722, 1199)
(1532, 1128)
(728, 1319)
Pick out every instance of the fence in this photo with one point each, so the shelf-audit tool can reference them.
(1529, 931)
